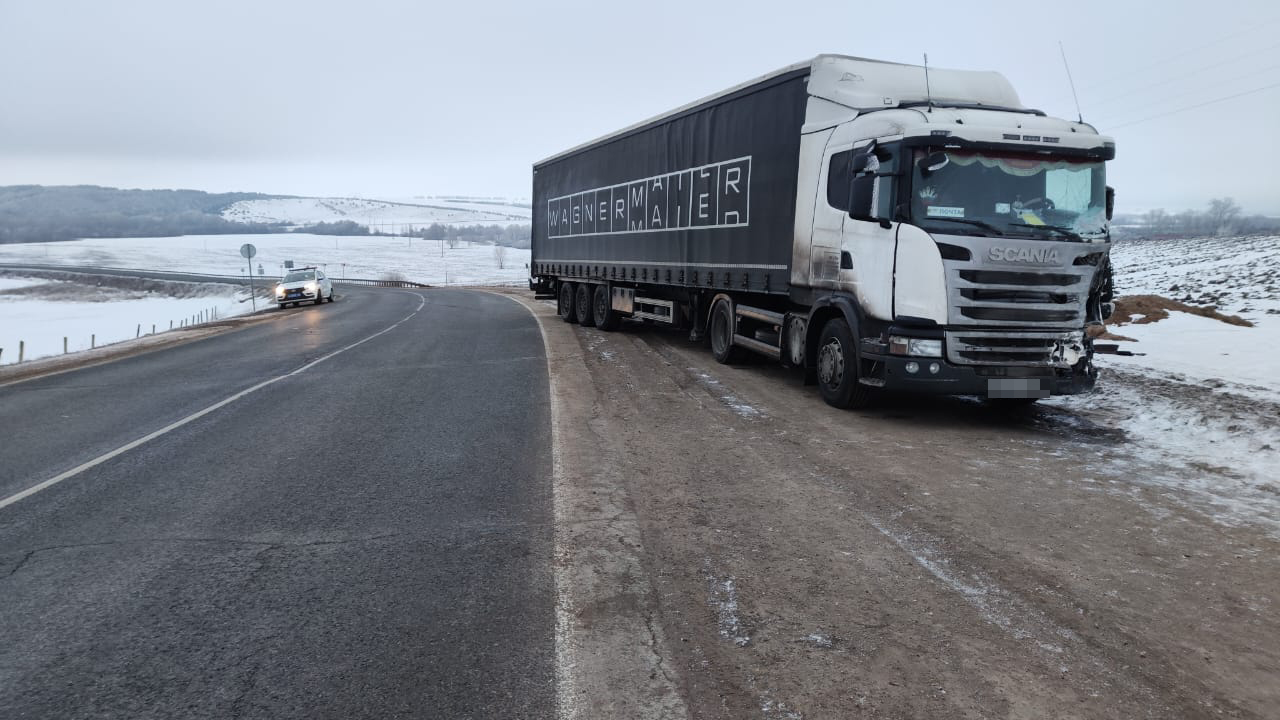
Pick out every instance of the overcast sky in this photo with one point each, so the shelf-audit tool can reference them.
(399, 98)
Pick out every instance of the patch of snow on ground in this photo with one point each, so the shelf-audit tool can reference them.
(1239, 275)
(734, 403)
(13, 283)
(724, 598)
(1199, 349)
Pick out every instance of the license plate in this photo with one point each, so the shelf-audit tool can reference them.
(1017, 388)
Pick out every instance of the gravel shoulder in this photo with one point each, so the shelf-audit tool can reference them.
(930, 558)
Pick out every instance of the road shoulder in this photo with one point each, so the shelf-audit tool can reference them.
(611, 653)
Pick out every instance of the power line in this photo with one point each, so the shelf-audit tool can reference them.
(1166, 99)
(1112, 79)
(1196, 71)
(1193, 107)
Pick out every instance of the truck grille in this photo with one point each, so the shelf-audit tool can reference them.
(1035, 349)
(1031, 296)
(1027, 314)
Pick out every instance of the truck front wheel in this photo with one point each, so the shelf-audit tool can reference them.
(566, 303)
(838, 367)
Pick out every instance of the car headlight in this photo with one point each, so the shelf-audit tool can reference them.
(919, 347)
(311, 287)
(279, 289)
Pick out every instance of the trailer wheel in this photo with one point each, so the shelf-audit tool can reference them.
(566, 305)
(838, 368)
(586, 316)
(720, 328)
(606, 318)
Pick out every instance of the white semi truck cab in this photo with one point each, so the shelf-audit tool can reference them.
(880, 227)
(967, 234)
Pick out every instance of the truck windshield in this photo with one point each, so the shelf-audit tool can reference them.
(1037, 196)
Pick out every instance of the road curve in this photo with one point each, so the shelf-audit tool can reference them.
(368, 537)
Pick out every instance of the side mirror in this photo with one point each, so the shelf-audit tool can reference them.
(864, 186)
(1111, 201)
(862, 192)
(933, 162)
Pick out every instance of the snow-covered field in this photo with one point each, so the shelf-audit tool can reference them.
(356, 256)
(41, 318)
(385, 215)
(1201, 405)
(87, 311)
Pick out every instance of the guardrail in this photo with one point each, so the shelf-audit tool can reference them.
(380, 283)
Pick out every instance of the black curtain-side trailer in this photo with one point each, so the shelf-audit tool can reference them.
(703, 198)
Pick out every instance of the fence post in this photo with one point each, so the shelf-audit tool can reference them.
(153, 328)
(22, 349)
(138, 333)
(64, 344)
(93, 341)
(170, 324)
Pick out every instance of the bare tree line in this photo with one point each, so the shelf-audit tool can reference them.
(1223, 217)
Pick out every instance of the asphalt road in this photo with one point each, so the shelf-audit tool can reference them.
(369, 537)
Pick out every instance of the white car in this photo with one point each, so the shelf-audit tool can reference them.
(303, 285)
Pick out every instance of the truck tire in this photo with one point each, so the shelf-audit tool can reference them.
(720, 328)
(838, 368)
(606, 318)
(566, 303)
(585, 301)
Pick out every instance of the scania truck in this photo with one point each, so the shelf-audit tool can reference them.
(879, 226)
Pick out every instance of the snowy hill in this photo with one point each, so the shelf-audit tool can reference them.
(379, 215)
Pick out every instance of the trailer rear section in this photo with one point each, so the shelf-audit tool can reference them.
(655, 221)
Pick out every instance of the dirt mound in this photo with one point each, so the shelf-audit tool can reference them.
(1153, 308)
(1101, 333)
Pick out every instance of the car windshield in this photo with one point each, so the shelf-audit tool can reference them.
(1010, 194)
(299, 277)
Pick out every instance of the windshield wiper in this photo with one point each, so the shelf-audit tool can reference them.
(970, 221)
(1061, 229)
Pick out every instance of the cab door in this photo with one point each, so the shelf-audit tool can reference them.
(857, 255)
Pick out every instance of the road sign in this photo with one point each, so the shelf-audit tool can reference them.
(247, 251)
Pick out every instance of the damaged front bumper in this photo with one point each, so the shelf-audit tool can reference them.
(1011, 365)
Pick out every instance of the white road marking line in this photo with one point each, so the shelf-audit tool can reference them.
(196, 415)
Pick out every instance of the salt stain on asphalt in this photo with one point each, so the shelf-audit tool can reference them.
(733, 402)
(724, 598)
(993, 604)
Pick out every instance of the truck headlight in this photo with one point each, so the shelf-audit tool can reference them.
(279, 289)
(919, 347)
